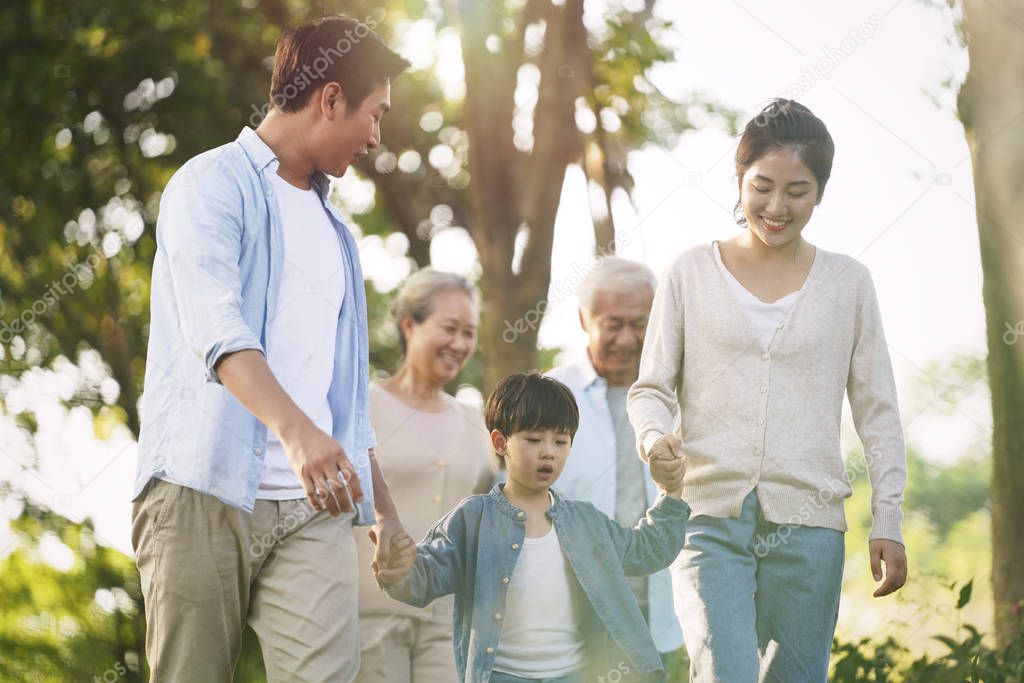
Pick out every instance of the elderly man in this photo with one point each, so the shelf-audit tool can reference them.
(604, 469)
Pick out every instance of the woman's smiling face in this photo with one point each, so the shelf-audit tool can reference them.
(778, 195)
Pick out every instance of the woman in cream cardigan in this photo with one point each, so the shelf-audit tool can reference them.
(756, 340)
(434, 451)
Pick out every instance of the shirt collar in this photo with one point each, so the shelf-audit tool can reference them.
(518, 514)
(589, 374)
(261, 156)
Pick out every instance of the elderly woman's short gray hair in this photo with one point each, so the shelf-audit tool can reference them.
(416, 296)
(617, 276)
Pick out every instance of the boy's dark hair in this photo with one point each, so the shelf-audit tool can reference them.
(529, 401)
(333, 48)
(785, 123)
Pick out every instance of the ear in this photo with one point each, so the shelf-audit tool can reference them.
(584, 319)
(499, 443)
(332, 101)
(407, 324)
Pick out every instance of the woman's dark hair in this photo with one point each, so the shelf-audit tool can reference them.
(785, 124)
(333, 48)
(529, 401)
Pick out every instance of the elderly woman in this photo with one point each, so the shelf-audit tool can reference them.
(434, 451)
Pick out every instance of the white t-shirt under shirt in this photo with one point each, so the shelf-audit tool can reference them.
(541, 636)
(764, 316)
(301, 333)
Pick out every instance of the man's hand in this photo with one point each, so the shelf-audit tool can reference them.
(668, 466)
(894, 555)
(392, 563)
(319, 462)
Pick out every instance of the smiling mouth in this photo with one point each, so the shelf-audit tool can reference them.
(773, 224)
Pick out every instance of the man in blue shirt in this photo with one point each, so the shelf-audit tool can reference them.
(256, 452)
(605, 469)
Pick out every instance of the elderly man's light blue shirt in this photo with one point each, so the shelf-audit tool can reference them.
(216, 278)
(590, 475)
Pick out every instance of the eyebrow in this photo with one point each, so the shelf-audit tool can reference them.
(795, 182)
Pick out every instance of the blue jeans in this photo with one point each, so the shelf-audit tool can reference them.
(499, 677)
(758, 601)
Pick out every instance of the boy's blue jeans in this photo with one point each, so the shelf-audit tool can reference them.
(758, 601)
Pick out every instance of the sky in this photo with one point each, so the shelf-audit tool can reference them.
(900, 200)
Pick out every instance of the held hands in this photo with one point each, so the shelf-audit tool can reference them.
(320, 463)
(393, 554)
(668, 465)
(894, 555)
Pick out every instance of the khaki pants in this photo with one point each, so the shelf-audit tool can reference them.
(208, 568)
(399, 649)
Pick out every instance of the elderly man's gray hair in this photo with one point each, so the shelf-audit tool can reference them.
(616, 276)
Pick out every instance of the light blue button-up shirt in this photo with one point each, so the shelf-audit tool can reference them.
(216, 276)
(590, 475)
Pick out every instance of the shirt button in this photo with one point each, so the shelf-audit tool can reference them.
(757, 451)
(490, 650)
(760, 421)
(440, 462)
(520, 514)
(504, 579)
(515, 546)
(765, 356)
(258, 451)
(437, 499)
(753, 480)
(497, 616)
(781, 325)
(764, 388)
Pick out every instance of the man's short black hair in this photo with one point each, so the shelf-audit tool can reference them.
(529, 401)
(333, 48)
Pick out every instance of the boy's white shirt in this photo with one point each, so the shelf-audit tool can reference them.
(541, 635)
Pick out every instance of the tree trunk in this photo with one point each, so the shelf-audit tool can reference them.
(511, 191)
(991, 107)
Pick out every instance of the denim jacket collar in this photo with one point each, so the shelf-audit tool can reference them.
(497, 496)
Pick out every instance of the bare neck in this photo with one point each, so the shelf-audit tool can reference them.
(286, 135)
(414, 387)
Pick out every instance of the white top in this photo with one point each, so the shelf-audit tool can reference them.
(763, 315)
(302, 331)
(541, 635)
(590, 474)
(768, 420)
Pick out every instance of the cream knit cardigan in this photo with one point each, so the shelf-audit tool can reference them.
(769, 420)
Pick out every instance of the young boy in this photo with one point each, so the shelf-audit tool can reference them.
(540, 580)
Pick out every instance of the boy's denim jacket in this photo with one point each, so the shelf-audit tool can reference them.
(473, 550)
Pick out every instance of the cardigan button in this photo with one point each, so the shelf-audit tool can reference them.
(515, 546)
(504, 579)
(490, 650)
(497, 616)
(520, 514)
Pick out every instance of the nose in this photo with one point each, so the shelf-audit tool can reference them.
(777, 204)
(374, 141)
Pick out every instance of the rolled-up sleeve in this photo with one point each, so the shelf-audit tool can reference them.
(200, 231)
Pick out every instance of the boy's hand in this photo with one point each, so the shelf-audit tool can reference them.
(668, 466)
(894, 555)
(391, 565)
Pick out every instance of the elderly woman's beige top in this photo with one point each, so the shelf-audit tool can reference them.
(431, 461)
